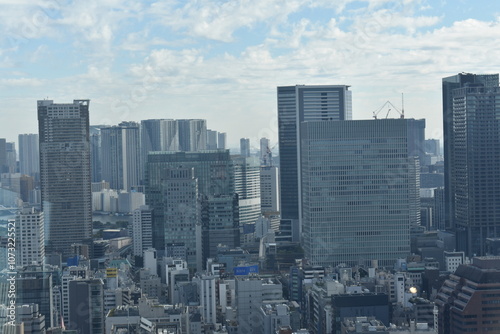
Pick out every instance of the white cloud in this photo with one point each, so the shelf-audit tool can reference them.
(219, 20)
(180, 68)
(21, 82)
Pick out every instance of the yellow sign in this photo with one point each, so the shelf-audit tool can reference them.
(111, 272)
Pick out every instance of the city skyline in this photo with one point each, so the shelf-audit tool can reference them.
(249, 166)
(171, 60)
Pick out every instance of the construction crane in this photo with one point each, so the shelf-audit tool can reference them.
(268, 158)
(390, 107)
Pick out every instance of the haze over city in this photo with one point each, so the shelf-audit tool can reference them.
(222, 61)
(239, 166)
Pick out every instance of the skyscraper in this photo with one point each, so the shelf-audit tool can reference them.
(192, 134)
(95, 152)
(8, 156)
(297, 104)
(360, 191)
(215, 175)
(449, 84)
(182, 227)
(472, 155)
(211, 139)
(221, 140)
(10, 148)
(266, 156)
(220, 224)
(247, 186)
(158, 135)
(120, 155)
(245, 147)
(29, 156)
(3, 156)
(142, 228)
(269, 189)
(150, 136)
(65, 172)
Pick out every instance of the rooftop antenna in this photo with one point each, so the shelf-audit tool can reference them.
(402, 105)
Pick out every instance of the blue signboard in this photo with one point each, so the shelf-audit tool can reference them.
(73, 261)
(246, 270)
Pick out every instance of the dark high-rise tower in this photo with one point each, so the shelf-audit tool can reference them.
(65, 172)
(472, 155)
(297, 104)
(449, 84)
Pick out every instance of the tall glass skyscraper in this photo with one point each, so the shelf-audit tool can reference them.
(360, 191)
(215, 174)
(65, 172)
(297, 104)
(472, 156)
(449, 84)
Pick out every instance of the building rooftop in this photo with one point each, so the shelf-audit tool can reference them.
(124, 311)
(482, 270)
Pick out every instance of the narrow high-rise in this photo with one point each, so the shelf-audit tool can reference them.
(29, 156)
(120, 155)
(3, 156)
(211, 139)
(95, 152)
(471, 119)
(221, 140)
(247, 186)
(266, 155)
(449, 84)
(297, 104)
(142, 228)
(65, 173)
(245, 147)
(269, 190)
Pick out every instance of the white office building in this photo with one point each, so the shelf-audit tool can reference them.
(142, 228)
(30, 237)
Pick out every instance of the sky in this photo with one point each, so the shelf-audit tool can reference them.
(222, 60)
